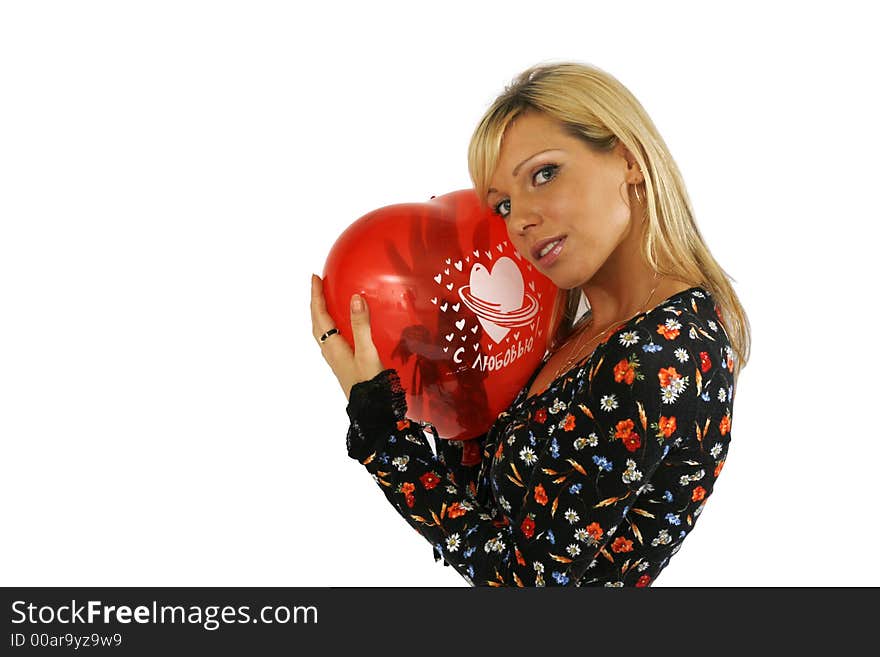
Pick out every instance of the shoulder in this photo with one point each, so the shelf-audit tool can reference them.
(680, 321)
(670, 346)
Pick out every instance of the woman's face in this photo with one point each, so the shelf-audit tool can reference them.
(568, 192)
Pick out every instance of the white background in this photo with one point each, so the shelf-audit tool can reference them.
(171, 173)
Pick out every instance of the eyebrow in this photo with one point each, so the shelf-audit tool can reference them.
(516, 168)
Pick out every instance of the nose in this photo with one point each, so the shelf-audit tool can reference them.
(523, 215)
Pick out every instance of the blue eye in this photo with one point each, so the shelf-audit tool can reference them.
(549, 169)
(495, 210)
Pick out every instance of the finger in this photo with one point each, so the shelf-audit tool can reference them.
(321, 319)
(360, 321)
(362, 334)
(335, 349)
(318, 302)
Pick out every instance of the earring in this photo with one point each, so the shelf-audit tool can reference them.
(636, 190)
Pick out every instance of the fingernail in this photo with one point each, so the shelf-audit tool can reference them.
(357, 304)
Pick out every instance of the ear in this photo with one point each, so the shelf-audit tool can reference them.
(634, 174)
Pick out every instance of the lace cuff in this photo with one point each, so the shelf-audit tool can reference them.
(374, 407)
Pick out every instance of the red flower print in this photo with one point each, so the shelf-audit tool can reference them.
(541, 415)
(569, 422)
(402, 424)
(632, 442)
(698, 494)
(540, 495)
(705, 361)
(519, 556)
(668, 333)
(429, 480)
(407, 489)
(528, 527)
(730, 364)
(625, 432)
(621, 544)
(718, 468)
(624, 428)
(667, 375)
(724, 425)
(644, 580)
(623, 371)
(595, 531)
(455, 510)
(667, 426)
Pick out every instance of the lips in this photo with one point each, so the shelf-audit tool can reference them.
(536, 250)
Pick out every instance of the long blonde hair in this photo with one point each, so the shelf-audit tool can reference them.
(595, 107)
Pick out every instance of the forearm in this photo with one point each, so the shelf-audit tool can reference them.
(436, 496)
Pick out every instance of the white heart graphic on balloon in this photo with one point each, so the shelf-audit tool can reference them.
(503, 288)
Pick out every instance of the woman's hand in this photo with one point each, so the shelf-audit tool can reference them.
(349, 368)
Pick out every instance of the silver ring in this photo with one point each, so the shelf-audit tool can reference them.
(328, 334)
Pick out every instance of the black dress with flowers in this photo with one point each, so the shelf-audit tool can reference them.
(596, 481)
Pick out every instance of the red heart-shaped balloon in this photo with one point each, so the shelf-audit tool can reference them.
(454, 308)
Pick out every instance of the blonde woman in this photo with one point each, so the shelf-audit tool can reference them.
(599, 469)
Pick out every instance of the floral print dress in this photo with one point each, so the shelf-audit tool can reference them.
(596, 481)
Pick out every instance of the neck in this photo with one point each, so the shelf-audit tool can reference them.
(622, 286)
(617, 299)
